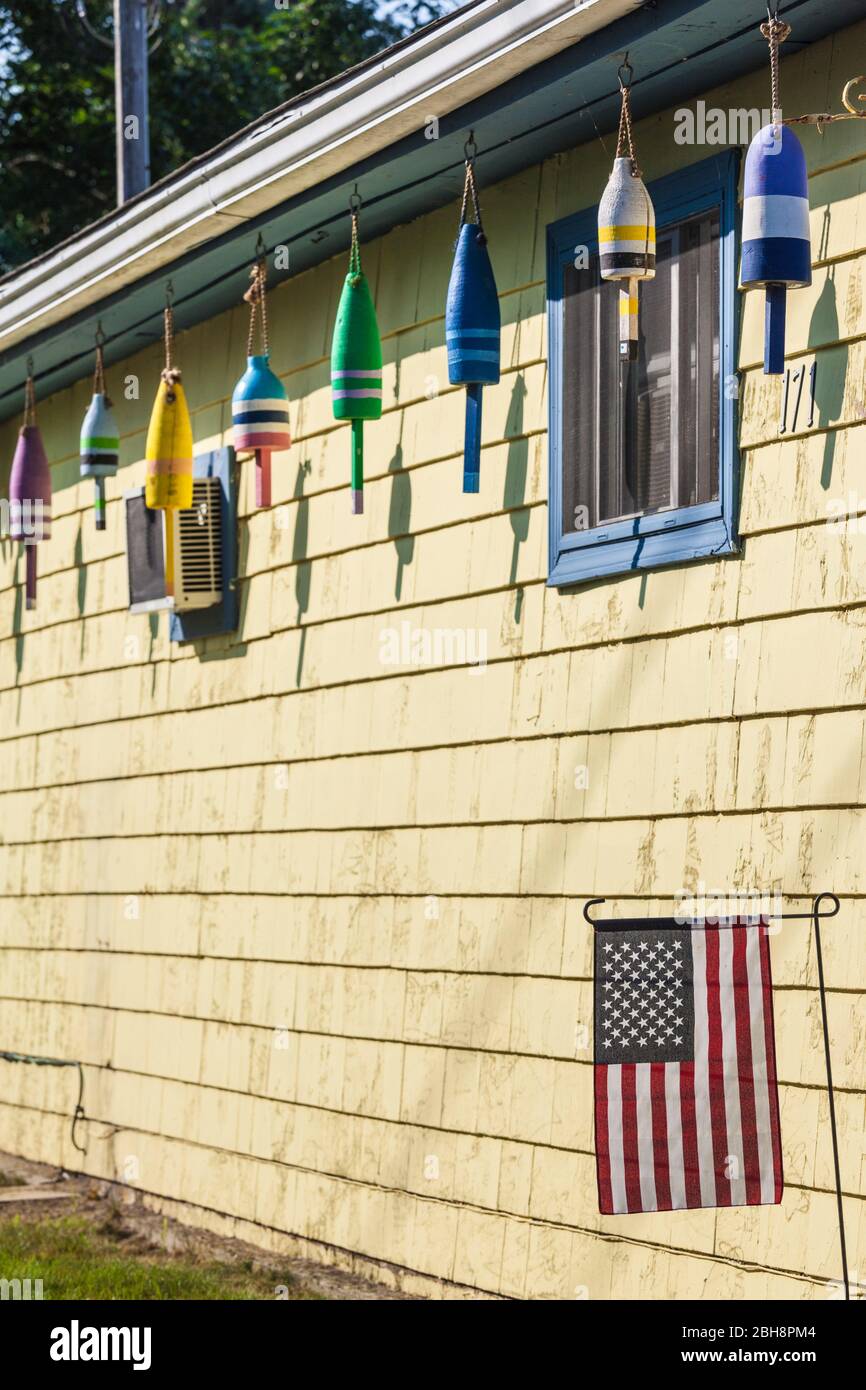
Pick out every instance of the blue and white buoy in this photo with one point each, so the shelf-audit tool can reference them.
(260, 419)
(777, 253)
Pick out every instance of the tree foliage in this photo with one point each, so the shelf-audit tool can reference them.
(215, 66)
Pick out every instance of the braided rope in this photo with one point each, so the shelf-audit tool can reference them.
(355, 250)
(625, 134)
(775, 31)
(470, 190)
(256, 297)
(170, 374)
(99, 372)
(29, 400)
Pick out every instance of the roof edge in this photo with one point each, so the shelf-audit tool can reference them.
(287, 151)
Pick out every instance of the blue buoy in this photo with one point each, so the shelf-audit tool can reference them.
(472, 335)
(777, 253)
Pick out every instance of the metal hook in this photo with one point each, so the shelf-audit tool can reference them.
(625, 67)
(261, 248)
(831, 897)
(816, 908)
(169, 294)
(823, 118)
(29, 366)
(356, 202)
(845, 100)
(99, 336)
(79, 1112)
(470, 149)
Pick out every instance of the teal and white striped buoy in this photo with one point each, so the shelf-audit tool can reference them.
(260, 406)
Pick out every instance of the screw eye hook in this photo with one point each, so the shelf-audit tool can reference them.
(625, 73)
(846, 97)
(470, 149)
(356, 202)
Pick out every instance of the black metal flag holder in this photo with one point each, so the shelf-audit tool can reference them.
(638, 924)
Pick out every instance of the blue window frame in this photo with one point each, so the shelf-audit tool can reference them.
(617, 534)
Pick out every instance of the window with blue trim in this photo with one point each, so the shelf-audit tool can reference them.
(643, 462)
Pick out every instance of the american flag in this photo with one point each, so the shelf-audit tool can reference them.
(686, 1106)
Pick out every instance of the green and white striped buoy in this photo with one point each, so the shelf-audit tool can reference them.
(356, 360)
(100, 438)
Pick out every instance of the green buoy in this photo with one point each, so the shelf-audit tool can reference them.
(356, 360)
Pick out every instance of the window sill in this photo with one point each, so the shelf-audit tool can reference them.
(594, 557)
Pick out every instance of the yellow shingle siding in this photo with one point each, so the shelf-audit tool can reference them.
(312, 922)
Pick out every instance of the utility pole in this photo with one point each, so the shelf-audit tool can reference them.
(130, 87)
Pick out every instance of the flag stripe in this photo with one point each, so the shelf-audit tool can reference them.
(759, 1066)
(734, 1161)
(676, 1168)
(629, 1138)
(743, 1010)
(645, 1150)
(602, 1146)
(617, 1164)
(703, 1117)
(715, 1070)
(696, 1184)
(661, 1151)
(772, 1087)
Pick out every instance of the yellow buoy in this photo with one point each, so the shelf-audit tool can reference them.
(169, 446)
(168, 451)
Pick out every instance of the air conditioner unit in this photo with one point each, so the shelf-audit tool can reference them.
(197, 549)
(186, 560)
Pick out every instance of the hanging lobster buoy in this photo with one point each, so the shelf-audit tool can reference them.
(472, 322)
(100, 440)
(168, 450)
(356, 359)
(777, 252)
(30, 490)
(626, 226)
(260, 406)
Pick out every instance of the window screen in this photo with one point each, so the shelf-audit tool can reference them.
(643, 436)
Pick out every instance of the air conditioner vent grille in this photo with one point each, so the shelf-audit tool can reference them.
(200, 548)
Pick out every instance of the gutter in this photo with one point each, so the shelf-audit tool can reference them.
(313, 138)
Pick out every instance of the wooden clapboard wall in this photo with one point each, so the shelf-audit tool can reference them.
(313, 922)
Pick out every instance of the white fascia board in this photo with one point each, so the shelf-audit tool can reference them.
(343, 122)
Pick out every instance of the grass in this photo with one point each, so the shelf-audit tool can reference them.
(78, 1259)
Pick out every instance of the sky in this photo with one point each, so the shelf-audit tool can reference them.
(386, 7)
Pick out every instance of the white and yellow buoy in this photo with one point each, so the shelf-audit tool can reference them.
(626, 227)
